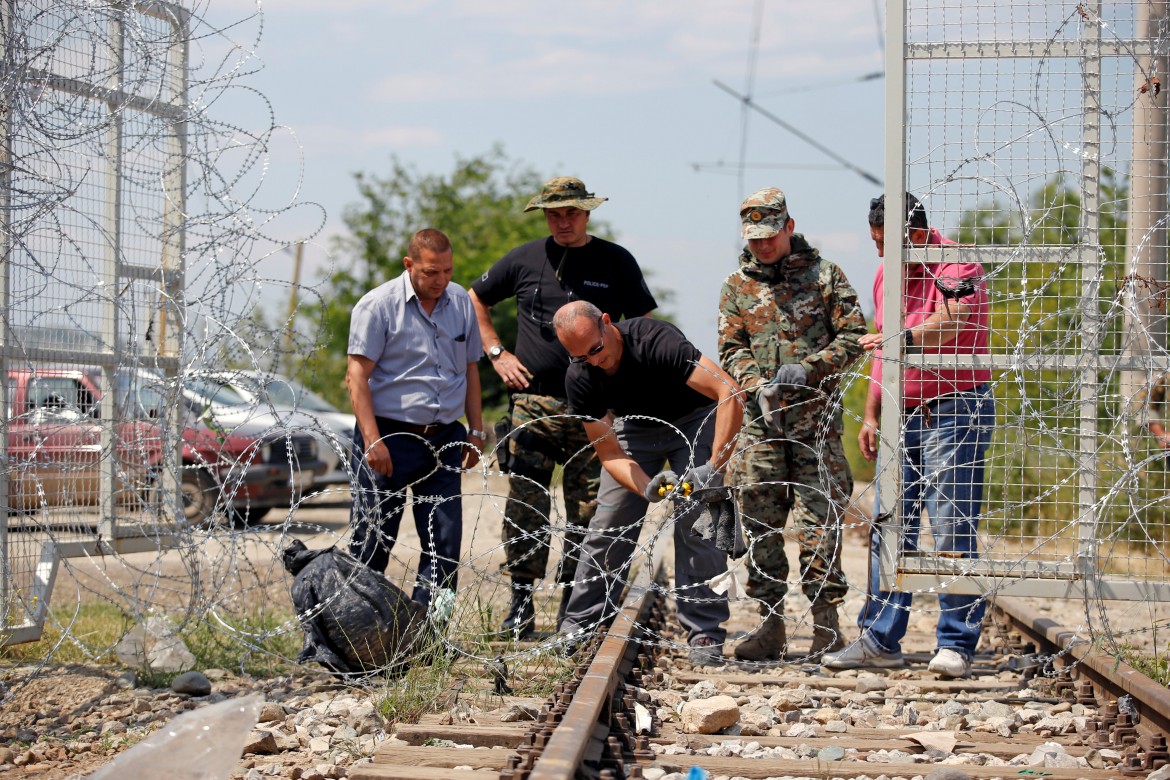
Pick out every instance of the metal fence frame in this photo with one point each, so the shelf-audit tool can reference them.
(22, 616)
(1081, 577)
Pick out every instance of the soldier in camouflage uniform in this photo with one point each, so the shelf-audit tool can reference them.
(542, 276)
(789, 324)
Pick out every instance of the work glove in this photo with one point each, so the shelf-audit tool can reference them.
(771, 400)
(791, 374)
(771, 395)
(666, 481)
(719, 521)
(702, 476)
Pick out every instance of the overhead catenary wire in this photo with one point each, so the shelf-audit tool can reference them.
(749, 103)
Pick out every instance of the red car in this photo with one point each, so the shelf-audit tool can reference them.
(55, 442)
(55, 452)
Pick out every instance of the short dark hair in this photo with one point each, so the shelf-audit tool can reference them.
(915, 213)
(428, 238)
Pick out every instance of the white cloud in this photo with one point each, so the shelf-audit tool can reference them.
(512, 49)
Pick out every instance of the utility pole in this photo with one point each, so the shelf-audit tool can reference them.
(292, 309)
(1145, 333)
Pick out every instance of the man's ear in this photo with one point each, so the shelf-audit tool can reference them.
(918, 236)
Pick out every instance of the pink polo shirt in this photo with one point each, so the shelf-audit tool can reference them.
(922, 299)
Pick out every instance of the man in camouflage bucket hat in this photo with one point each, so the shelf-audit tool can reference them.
(563, 192)
(544, 275)
(789, 324)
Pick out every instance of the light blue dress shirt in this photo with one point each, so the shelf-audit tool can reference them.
(420, 359)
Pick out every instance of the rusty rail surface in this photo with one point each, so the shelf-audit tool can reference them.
(1103, 678)
(577, 741)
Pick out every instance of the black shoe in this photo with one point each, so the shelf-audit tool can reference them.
(520, 621)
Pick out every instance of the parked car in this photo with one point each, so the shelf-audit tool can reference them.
(55, 450)
(245, 461)
(335, 427)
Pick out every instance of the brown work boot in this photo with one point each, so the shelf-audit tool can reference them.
(767, 643)
(826, 631)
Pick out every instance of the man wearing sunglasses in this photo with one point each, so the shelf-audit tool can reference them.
(789, 326)
(647, 395)
(542, 276)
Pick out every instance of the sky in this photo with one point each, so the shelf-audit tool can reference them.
(619, 94)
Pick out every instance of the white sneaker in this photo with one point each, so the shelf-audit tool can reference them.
(949, 663)
(862, 654)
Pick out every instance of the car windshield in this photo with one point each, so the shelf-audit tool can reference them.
(282, 392)
(138, 395)
(215, 393)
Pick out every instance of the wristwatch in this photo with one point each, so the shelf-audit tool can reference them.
(475, 433)
(495, 351)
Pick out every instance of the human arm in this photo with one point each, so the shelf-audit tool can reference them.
(845, 323)
(867, 437)
(514, 373)
(613, 458)
(941, 327)
(735, 346)
(1158, 431)
(473, 409)
(956, 300)
(715, 383)
(357, 379)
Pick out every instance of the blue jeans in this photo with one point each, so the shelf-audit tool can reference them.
(942, 471)
(431, 468)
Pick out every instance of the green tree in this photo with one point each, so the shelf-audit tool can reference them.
(479, 204)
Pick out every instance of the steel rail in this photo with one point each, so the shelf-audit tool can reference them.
(577, 740)
(1108, 674)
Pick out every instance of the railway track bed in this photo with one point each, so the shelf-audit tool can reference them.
(1032, 707)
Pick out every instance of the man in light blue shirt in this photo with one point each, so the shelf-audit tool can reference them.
(413, 346)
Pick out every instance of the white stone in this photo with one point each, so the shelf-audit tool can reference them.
(709, 715)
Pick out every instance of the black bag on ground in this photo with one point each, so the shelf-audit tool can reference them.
(355, 620)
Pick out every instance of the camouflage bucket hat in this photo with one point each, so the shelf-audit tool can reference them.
(764, 213)
(562, 192)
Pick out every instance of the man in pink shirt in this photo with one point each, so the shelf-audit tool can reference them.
(948, 416)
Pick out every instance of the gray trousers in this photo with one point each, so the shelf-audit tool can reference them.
(611, 542)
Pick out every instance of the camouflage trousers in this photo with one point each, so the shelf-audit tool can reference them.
(543, 436)
(783, 479)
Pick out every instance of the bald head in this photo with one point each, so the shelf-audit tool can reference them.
(573, 312)
(588, 336)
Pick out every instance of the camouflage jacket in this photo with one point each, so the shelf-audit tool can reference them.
(799, 309)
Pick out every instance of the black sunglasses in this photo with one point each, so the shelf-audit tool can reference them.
(596, 349)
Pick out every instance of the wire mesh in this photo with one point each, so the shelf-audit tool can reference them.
(1035, 137)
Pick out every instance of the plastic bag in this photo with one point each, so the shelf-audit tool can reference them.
(204, 744)
(355, 620)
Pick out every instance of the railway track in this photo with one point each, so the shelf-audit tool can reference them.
(1040, 703)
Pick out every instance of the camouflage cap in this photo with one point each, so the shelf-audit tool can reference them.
(562, 192)
(764, 213)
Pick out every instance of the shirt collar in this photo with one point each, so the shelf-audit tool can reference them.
(408, 288)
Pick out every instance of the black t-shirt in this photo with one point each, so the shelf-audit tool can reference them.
(544, 276)
(651, 378)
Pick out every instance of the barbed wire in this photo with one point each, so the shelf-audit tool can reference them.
(197, 201)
